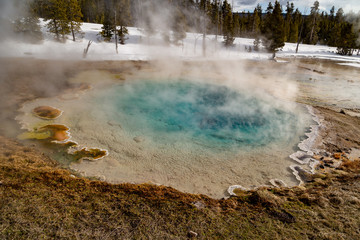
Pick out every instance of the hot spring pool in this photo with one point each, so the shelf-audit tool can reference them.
(196, 136)
(197, 114)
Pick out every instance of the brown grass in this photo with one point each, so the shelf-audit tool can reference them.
(41, 201)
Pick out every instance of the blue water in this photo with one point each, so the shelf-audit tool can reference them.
(210, 115)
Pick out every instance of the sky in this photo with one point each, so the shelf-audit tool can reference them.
(303, 5)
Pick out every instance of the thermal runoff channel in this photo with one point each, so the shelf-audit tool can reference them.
(212, 116)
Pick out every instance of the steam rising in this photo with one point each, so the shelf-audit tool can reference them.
(10, 10)
(354, 18)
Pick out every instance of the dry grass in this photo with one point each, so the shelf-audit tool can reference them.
(41, 201)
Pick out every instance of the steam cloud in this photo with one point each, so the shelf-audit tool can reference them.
(10, 10)
(354, 18)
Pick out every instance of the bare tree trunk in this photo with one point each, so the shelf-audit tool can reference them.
(116, 34)
(56, 30)
(204, 41)
(72, 31)
(87, 49)
(217, 27)
(312, 30)
(299, 38)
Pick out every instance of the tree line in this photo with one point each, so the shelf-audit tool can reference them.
(270, 28)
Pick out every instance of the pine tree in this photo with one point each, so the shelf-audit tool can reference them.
(109, 22)
(236, 19)
(278, 39)
(334, 28)
(288, 20)
(179, 27)
(266, 26)
(56, 12)
(274, 28)
(27, 24)
(74, 15)
(123, 18)
(324, 28)
(215, 17)
(312, 37)
(294, 27)
(255, 28)
(228, 25)
(259, 11)
(347, 42)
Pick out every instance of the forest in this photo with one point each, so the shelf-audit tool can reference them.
(270, 27)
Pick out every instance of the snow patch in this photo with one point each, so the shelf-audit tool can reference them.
(140, 47)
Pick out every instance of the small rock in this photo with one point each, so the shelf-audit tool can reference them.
(73, 176)
(192, 234)
(342, 111)
(337, 155)
(317, 157)
(199, 205)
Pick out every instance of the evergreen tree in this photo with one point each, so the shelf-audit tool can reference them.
(294, 27)
(274, 28)
(92, 10)
(288, 20)
(236, 26)
(56, 12)
(256, 21)
(179, 27)
(109, 21)
(215, 17)
(123, 18)
(312, 37)
(243, 24)
(259, 11)
(228, 25)
(323, 33)
(74, 15)
(335, 25)
(347, 42)
(27, 24)
(266, 26)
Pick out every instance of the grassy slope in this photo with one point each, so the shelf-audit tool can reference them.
(40, 200)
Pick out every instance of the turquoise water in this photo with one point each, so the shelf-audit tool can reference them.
(209, 115)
